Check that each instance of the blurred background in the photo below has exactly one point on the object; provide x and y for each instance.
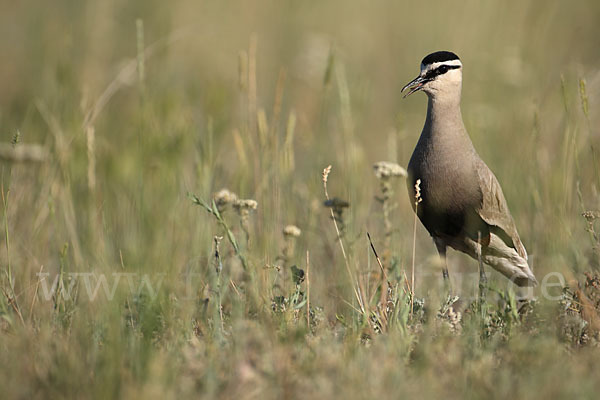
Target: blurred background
(137, 103)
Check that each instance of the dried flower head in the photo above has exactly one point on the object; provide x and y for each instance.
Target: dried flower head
(418, 197)
(326, 172)
(243, 207)
(223, 198)
(337, 208)
(245, 204)
(336, 203)
(590, 216)
(386, 169)
(291, 231)
(451, 316)
(453, 320)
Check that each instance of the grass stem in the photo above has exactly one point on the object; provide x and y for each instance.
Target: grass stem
(355, 285)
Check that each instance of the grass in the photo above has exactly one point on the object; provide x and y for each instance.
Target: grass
(122, 274)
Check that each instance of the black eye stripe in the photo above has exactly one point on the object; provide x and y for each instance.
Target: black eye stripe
(442, 69)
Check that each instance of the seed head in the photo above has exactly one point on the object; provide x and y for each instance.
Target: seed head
(291, 231)
(224, 197)
(590, 216)
(245, 204)
(418, 197)
(386, 169)
(326, 172)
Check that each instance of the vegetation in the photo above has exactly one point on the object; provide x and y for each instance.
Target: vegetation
(171, 228)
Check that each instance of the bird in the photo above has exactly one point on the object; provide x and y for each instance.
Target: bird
(461, 204)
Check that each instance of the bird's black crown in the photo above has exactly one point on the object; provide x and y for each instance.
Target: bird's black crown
(439, 56)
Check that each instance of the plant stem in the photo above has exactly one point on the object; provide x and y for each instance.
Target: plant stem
(337, 230)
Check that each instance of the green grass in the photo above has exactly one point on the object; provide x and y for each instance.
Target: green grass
(146, 109)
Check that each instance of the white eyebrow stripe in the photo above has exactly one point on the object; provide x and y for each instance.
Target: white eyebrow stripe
(429, 67)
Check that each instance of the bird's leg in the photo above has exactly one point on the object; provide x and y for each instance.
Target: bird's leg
(482, 277)
(441, 248)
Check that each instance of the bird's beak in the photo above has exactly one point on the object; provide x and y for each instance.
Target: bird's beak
(415, 85)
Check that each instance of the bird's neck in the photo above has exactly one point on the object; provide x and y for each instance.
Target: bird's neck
(444, 116)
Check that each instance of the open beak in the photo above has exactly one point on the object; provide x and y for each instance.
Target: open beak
(415, 85)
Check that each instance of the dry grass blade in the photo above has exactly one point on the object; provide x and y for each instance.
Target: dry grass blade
(384, 281)
(127, 73)
(355, 285)
(12, 301)
(588, 311)
(307, 289)
(418, 199)
(35, 292)
(383, 273)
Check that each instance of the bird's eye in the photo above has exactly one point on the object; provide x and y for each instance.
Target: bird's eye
(443, 69)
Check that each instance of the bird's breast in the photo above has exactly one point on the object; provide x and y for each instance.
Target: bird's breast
(449, 189)
(446, 182)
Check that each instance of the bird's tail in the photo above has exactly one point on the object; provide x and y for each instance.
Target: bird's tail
(508, 262)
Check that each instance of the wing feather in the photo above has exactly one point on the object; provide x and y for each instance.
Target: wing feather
(494, 210)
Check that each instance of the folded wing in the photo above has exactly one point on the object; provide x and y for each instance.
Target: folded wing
(494, 210)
